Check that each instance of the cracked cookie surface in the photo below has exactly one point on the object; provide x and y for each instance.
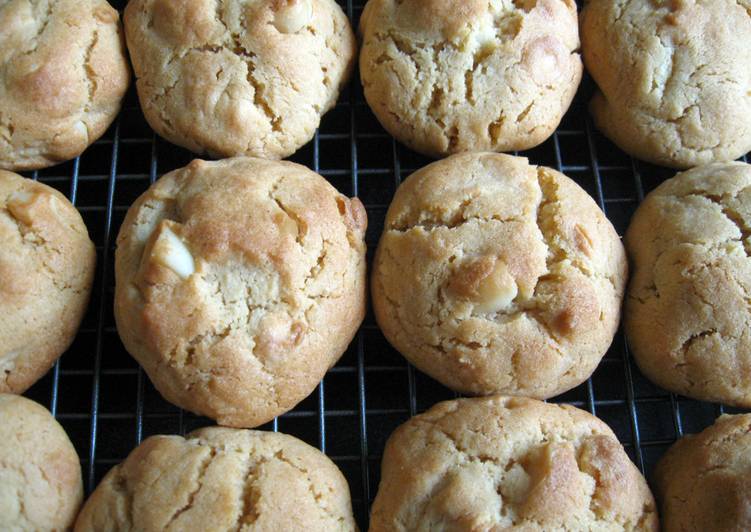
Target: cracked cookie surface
(46, 271)
(687, 309)
(702, 482)
(501, 463)
(221, 479)
(496, 276)
(446, 77)
(238, 284)
(63, 74)
(238, 77)
(674, 77)
(40, 474)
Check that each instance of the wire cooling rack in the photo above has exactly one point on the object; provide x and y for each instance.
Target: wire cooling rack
(107, 405)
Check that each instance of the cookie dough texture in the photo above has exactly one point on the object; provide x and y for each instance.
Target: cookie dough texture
(686, 314)
(238, 77)
(673, 77)
(446, 77)
(702, 482)
(221, 479)
(501, 463)
(63, 74)
(40, 474)
(496, 276)
(46, 271)
(238, 284)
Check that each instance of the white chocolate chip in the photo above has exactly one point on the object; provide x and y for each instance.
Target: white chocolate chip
(486, 283)
(292, 15)
(21, 205)
(484, 35)
(81, 129)
(171, 252)
(20, 197)
(496, 291)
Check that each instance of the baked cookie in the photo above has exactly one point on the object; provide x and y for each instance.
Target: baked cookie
(686, 314)
(63, 74)
(221, 479)
(703, 482)
(493, 275)
(673, 77)
(446, 77)
(40, 474)
(498, 463)
(239, 284)
(238, 77)
(46, 271)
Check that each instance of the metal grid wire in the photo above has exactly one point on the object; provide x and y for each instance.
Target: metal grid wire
(107, 405)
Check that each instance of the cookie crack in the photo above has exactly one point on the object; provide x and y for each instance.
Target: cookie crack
(260, 99)
(289, 213)
(312, 488)
(734, 217)
(249, 511)
(556, 254)
(36, 243)
(202, 469)
(89, 73)
(41, 29)
(457, 221)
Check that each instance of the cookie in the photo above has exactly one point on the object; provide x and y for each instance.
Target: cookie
(46, 271)
(221, 479)
(498, 463)
(702, 482)
(63, 74)
(496, 276)
(445, 77)
(673, 77)
(239, 283)
(238, 77)
(40, 474)
(686, 313)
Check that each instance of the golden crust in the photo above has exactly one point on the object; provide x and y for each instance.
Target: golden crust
(63, 76)
(495, 276)
(686, 314)
(46, 271)
(40, 474)
(239, 283)
(221, 479)
(702, 482)
(673, 77)
(234, 78)
(499, 463)
(446, 77)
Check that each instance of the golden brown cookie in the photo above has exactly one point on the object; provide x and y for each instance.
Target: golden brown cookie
(446, 77)
(63, 74)
(46, 271)
(501, 463)
(40, 474)
(673, 77)
(704, 481)
(239, 283)
(496, 276)
(221, 479)
(232, 77)
(686, 314)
